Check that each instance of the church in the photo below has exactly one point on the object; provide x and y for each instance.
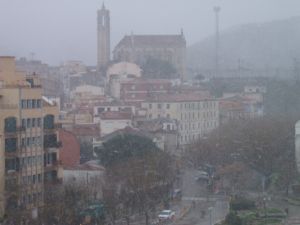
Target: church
(138, 48)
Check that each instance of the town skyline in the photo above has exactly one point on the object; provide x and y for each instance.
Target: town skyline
(73, 37)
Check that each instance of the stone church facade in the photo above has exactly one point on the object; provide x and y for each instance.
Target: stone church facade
(138, 48)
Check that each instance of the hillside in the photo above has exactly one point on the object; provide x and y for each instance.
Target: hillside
(273, 45)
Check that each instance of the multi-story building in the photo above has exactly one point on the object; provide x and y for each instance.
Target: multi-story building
(28, 140)
(195, 115)
(138, 90)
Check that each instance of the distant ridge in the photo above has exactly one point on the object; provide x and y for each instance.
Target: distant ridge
(273, 45)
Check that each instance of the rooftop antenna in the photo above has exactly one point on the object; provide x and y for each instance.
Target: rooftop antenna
(32, 54)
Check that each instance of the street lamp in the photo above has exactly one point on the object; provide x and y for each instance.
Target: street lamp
(210, 209)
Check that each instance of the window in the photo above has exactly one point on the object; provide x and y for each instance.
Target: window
(39, 178)
(159, 106)
(168, 106)
(23, 142)
(23, 104)
(49, 122)
(10, 164)
(38, 103)
(29, 104)
(24, 123)
(28, 123)
(39, 122)
(34, 103)
(10, 124)
(10, 144)
(33, 122)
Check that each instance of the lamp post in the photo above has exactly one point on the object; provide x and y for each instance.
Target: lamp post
(217, 10)
(210, 209)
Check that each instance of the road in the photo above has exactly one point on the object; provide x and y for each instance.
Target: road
(214, 207)
(186, 214)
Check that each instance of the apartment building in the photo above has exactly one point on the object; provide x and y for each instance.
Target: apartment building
(28, 141)
(195, 114)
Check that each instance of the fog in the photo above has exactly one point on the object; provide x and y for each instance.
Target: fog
(59, 30)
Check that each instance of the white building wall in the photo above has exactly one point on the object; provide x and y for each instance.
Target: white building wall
(297, 144)
(109, 126)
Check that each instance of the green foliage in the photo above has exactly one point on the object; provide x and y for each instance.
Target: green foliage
(240, 203)
(155, 68)
(233, 219)
(282, 98)
(123, 147)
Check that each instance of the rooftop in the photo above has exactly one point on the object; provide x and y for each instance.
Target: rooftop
(152, 40)
(116, 115)
(179, 98)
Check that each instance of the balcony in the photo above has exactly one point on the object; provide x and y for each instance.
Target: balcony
(14, 133)
(51, 129)
(53, 167)
(11, 154)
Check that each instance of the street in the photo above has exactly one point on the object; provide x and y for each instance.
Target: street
(206, 209)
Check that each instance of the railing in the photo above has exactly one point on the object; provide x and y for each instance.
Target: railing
(11, 154)
(55, 126)
(53, 165)
(18, 129)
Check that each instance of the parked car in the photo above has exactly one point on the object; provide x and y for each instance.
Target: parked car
(202, 175)
(166, 215)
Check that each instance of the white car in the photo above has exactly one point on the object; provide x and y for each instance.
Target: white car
(166, 215)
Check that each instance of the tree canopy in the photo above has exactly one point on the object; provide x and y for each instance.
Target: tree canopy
(156, 68)
(123, 147)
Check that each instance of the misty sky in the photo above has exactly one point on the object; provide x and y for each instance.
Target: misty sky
(58, 30)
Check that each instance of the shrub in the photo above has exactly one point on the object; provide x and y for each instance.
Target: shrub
(233, 219)
(240, 203)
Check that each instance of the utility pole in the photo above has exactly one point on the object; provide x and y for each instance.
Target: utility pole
(217, 40)
(210, 209)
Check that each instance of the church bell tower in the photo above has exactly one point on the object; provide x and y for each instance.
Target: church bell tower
(103, 45)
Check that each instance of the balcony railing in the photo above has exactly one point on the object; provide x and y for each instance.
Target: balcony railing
(53, 128)
(15, 132)
(53, 166)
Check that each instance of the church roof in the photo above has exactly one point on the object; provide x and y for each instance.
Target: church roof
(152, 41)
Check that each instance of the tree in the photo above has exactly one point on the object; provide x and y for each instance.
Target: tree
(139, 175)
(156, 68)
(263, 144)
(63, 204)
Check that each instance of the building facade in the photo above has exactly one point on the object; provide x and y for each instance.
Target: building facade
(196, 116)
(139, 48)
(28, 141)
(103, 30)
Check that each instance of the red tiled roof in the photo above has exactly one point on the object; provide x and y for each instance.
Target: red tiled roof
(86, 129)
